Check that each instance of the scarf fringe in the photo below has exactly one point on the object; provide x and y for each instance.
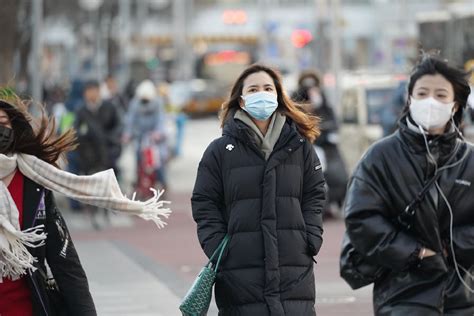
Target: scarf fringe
(16, 259)
(153, 208)
(100, 189)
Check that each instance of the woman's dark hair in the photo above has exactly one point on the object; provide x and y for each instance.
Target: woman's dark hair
(308, 125)
(306, 80)
(309, 74)
(430, 65)
(36, 136)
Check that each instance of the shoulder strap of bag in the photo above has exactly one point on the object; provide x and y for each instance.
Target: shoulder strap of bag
(47, 277)
(219, 251)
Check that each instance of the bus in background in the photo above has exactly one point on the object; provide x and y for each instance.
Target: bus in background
(215, 71)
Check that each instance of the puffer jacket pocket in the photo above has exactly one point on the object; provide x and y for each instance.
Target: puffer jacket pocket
(433, 264)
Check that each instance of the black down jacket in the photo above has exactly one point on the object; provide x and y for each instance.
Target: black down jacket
(272, 212)
(59, 253)
(389, 176)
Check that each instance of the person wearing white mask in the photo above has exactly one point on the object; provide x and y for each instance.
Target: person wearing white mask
(262, 185)
(409, 206)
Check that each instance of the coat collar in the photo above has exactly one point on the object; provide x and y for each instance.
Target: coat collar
(290, 139)
(442, 144)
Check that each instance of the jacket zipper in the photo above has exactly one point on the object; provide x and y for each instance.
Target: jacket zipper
(38, 293)
(29, 272)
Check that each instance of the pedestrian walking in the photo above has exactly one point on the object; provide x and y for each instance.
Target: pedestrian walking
(40, 271)
(99, 128)
(311, 94)
(409, 204)
(261, 184)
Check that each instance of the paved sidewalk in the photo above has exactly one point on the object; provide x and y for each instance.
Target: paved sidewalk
(138, 270)
(120, 286)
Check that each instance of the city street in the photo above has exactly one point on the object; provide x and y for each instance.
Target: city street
(366, 73)
(136, 269)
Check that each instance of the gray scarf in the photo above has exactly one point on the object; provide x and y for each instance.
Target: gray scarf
(266, 142)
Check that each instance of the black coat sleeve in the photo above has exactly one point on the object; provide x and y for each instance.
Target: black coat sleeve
(208, 202)
(313, 199)
(64, 263)
(370, 230)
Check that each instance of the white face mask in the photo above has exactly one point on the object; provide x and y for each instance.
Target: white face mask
(430, 113)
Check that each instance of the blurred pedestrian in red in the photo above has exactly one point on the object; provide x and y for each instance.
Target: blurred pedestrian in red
(145, 123)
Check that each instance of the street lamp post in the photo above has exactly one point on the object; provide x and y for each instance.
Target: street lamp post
(336, 50)
(124, 40)
(321, 21)
(263, 7)
(92, 6)
(36, 51)
(181, 63)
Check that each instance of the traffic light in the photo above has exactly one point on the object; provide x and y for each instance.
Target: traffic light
(301, 37)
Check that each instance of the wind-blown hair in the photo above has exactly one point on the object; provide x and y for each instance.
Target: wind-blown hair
(36, 136)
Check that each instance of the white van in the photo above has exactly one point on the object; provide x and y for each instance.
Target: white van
(363, 99)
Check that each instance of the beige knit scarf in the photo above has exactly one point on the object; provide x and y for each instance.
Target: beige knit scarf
(100, 189)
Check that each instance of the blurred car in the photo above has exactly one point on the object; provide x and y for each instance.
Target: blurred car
(364, 99)
(203, 97)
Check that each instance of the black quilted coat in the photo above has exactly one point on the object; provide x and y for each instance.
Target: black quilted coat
(272, 212)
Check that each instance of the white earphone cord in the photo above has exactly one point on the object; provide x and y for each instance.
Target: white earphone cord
(451, 242)
(451, 214)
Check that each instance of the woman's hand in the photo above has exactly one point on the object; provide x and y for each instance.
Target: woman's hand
(426, 252)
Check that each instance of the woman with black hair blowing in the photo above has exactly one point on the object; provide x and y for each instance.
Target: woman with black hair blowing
(410, 201)
(42, 239)
(33, 234)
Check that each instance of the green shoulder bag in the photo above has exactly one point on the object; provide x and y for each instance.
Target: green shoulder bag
(197, 300)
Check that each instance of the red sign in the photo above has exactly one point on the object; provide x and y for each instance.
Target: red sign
(301, 37)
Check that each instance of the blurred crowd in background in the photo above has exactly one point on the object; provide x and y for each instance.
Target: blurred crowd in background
(128, 72)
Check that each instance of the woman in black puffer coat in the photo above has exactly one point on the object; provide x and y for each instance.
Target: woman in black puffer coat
(262, 184)
(429, 265)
